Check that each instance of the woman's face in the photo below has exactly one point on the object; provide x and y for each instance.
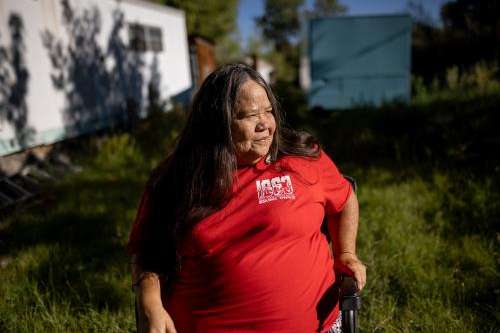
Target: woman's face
(253, 123)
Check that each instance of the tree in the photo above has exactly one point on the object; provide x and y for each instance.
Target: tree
(475, 23)
(280, 22)
(215, 19)
(474, 16)
(419, 14)
(257, 46)
(228, 48)
(469, 35)
(328, 7)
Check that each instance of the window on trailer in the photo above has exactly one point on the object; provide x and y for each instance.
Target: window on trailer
(137, 38)
(154, 38)
(144, 38)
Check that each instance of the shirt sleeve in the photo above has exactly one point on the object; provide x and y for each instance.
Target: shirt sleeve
(336, 188)
(138, 232)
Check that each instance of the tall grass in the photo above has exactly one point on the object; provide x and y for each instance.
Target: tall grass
(482, 79)
(425, 275)
(428, 231)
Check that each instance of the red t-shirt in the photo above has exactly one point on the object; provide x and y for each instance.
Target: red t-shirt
(261, 264)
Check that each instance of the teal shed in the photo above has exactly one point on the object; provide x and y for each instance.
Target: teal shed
(359, 60)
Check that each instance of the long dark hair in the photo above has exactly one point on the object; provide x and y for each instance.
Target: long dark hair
(196, 179)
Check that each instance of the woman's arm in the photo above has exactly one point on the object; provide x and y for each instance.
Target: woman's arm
(152, 315)
(343, 232)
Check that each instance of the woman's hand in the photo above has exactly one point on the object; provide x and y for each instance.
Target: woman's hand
(350, 264)
(154, 319)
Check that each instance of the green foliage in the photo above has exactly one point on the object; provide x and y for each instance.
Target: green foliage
(214, 19)
(228, 49)
(469, 34)
(419, 89)
(328, 8)
(478, 17)
(452, 77)
(284, 70)
(292, 102)
(118, 152)
(257, 45)
(483, 77)
(156, 136)
(285, 63)
(455, 133)
(280, 21)
(479, 81)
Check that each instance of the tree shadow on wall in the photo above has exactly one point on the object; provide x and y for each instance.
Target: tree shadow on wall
(103, 86)
(14, 78)
(154, 95)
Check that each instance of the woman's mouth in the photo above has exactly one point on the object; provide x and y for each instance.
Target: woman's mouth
(263, 139)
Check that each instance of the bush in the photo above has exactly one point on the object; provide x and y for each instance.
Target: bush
(478, 81)
(118, 152)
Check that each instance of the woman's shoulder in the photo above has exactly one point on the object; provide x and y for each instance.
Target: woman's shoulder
(320, 161)
(310, 168)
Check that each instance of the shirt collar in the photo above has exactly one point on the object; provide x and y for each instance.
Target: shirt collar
(263, 163)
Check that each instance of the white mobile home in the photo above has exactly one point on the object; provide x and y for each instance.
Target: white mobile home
(69, 67)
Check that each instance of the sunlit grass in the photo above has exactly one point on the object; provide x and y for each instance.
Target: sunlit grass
(429, 237)
(422, 275)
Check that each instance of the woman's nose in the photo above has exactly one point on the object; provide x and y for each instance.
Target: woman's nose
(263, 123)
(260, 126)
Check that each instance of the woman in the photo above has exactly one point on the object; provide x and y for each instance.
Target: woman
(227, 237)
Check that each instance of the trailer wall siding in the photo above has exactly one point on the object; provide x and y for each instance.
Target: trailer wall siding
(36, 111)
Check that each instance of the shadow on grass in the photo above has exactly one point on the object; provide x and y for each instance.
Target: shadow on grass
(83, 223)
(444, 134)
(456, 138)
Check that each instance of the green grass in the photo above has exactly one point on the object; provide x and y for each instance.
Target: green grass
(428, 232)
(423, 275)
(69, 271)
